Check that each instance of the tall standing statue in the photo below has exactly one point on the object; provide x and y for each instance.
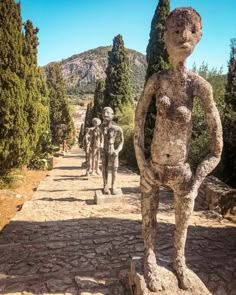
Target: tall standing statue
(95, 147)
(168, 165)
(86, 144)
(112, 144)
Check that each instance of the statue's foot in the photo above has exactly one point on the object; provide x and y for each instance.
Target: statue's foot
(89, 172)
(106, 191)
(115, 191)
(181, 271)
(152, 274)
(98, 172)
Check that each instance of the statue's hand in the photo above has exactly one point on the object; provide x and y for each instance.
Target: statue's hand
(115, 153)
(148, 179)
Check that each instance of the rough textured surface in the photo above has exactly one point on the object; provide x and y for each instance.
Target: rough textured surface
(138, 285)
(112, 144)
(100, 198)
(175, 90)
(81, 71)
(60, 235)
(217, 196)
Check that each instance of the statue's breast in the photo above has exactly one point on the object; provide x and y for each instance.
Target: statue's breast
(170, 110)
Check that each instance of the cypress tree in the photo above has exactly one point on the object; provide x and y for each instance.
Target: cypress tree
(88, 115)
(98, 99)
(81, 135)
(61, 123)
(229, 124)
(157, 59)
(157, 56)
(14, 147)
(37, 100)
(117, 86)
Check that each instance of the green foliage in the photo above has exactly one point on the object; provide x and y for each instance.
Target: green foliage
(229, 123)
(37, 106)
(117, 87)
(61, 123)
(14, 148)
(157, 56)
(158, 60)
(126, 122)
(98, 99)
(200, 140)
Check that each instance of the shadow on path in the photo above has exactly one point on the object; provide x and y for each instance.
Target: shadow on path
(45, 257)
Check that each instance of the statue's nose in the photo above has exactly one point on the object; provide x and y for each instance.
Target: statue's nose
(185, 35)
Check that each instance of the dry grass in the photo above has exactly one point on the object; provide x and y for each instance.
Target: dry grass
(19, 192)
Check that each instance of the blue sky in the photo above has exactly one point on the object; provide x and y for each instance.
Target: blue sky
(69, 27)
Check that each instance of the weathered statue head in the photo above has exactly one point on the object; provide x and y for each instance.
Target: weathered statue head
(107, 114)
(96, 122)
(183, 32)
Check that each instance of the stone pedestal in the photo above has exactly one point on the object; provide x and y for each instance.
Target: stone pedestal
(138, 285)
(100, 198)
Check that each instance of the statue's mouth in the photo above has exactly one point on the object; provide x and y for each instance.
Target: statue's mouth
(185, 45)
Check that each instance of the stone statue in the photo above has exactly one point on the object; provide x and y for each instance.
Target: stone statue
(174, 90)
(95, 147)
(112, 144)
(86, 144)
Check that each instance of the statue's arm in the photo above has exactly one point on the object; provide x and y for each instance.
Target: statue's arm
(140, 118)
(213, 121)
(121, 143)
(102, 137)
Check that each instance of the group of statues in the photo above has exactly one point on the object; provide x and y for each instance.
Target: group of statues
(104, 140)
(175, 90)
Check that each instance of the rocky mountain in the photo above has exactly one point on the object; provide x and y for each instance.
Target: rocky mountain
(81, 71)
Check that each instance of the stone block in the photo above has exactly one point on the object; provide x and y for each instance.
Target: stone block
(100, 198)
(138, 285)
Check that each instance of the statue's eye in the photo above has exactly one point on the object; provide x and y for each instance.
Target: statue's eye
(177, 32)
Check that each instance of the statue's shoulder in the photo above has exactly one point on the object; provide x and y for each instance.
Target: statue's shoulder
(116, 127)
(198, 80)
(199, 84)
(155, 78)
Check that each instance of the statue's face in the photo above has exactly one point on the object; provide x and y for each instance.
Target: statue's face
(183, 32)
(107, 114)
(96, 122)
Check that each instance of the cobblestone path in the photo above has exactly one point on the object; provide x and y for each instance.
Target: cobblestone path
(61, 243)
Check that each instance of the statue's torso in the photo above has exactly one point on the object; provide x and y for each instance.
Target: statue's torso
(111, 137)
(172, 133)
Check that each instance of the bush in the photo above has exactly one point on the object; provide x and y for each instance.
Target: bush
(125, 118)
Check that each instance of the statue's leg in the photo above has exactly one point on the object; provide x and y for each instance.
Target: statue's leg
(97, 162)
(89, 165)
(149, 206)
(115, 164)
(105, 159)
(183, 203)
(93, 155)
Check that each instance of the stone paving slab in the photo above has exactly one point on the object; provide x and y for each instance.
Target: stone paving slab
(61, 243)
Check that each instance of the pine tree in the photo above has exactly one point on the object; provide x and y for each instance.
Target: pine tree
(98, 99)
(117, 86)
(157, 59)
(229, 124)
(61, 123)
(14, 149)
(37, 106)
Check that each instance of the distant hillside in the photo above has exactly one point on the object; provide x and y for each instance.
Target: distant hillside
(81, 71)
